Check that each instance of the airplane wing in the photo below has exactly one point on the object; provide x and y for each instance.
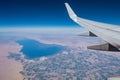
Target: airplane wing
(108, 32)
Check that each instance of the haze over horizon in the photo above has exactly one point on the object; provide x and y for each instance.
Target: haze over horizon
(39, 41)
(38, 13)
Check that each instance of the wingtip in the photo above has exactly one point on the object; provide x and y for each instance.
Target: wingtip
(71, 13)
(66, 3)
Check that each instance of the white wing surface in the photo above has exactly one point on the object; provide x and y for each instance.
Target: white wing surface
(108, 32)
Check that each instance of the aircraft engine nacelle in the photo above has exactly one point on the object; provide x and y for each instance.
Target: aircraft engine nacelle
(103, 47)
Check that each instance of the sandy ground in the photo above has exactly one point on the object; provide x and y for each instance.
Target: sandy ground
(9, 69)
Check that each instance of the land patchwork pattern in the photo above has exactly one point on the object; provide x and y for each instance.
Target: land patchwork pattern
(72, 64)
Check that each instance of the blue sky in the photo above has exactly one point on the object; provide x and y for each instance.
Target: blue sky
(25, 13)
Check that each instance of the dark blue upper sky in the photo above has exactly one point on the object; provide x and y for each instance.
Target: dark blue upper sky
(15, 13)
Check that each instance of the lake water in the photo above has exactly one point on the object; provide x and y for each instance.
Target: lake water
(34, 49)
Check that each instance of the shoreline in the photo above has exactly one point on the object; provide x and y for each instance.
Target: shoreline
(9, 69)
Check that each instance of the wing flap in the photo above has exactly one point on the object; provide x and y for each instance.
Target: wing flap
(87, 33)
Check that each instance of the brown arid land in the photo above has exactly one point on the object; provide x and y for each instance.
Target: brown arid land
(9, 68)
